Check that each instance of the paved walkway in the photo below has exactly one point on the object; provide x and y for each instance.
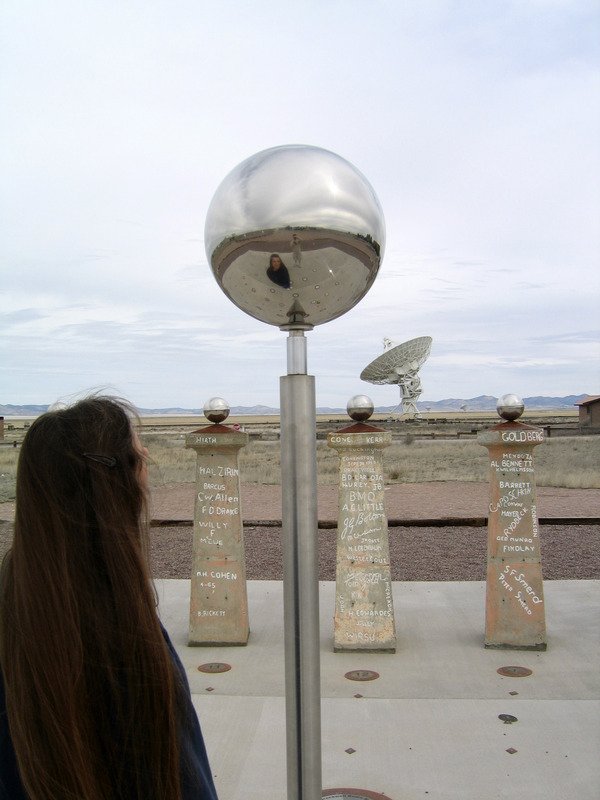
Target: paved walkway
(428, 727)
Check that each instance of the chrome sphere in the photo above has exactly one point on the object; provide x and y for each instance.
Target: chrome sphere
(216, 409)
(510, 407)
(360, 407)
(295, 234)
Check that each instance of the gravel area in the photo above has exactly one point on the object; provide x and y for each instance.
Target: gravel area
(569, 552)
(416, 553)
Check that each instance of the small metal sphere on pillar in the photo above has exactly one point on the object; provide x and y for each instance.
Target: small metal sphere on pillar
(360, 407)
(216, 409)
(510, 407)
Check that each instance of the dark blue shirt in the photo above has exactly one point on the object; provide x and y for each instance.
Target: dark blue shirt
(196, 777)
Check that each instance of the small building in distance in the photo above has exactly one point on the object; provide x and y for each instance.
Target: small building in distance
(589, 411)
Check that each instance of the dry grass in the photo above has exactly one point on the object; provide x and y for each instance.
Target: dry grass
(566, 462)
(570, 464)
(170, 460)
(563, 462)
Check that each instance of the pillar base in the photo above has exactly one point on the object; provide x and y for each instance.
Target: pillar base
(541, 646)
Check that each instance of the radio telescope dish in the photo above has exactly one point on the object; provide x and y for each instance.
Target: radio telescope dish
(400, 363)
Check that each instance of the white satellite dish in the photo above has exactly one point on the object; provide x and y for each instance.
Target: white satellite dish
(400, 363)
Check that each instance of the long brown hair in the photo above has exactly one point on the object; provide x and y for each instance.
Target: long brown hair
(90, 689)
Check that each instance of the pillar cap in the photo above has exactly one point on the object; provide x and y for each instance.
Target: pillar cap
(217, 428)
(361, 427)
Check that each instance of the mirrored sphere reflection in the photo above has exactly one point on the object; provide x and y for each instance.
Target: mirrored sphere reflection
(360, 407)
(216, 409)
(295, 234)
(510, 407)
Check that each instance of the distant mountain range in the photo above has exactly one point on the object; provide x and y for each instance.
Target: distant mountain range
(484, 402)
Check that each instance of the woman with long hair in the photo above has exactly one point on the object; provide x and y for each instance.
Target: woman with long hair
(94, 702)
(278, 272)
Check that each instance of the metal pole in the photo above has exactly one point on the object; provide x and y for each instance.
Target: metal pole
(300, 575)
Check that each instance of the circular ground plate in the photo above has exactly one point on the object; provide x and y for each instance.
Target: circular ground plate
(361, 675)
(214, 666)
(514, 672)
(353, 794)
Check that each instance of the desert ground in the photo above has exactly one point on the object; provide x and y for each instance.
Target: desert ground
(417, 553)
(452, 546)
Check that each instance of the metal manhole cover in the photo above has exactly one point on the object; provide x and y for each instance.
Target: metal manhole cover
(361, 675)
(514, 672)
(214, 667)
(353, 794)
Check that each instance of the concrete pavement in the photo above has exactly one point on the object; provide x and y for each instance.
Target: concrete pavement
(428, 727)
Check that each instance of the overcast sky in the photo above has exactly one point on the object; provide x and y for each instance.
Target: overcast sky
(477, 124)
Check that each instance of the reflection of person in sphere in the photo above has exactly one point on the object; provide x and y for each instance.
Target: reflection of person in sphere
(277, 272)
(296, 250)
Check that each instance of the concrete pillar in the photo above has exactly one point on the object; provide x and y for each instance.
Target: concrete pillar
(364, 609)
(515, 613)
(219, 599)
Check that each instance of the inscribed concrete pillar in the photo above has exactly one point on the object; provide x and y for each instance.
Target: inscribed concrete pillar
(364, 609)
(219, 600)
(515, 614)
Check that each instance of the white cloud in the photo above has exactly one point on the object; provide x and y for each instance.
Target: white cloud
(477, 124)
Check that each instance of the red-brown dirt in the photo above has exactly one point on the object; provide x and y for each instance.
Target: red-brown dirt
(456, 552)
